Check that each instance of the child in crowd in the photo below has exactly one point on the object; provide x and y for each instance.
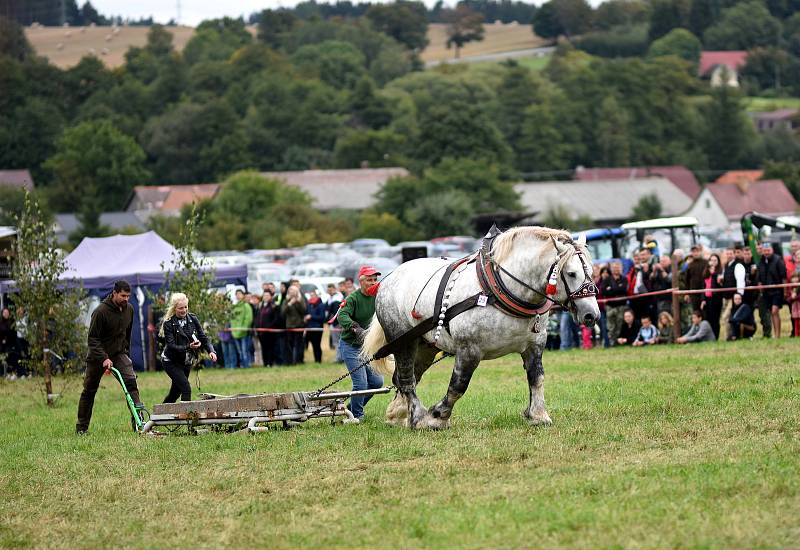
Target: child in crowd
(664, 328)
(648, 334)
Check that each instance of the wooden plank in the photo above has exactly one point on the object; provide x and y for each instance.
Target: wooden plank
(261, 402)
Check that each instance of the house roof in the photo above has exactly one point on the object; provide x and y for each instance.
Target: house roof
(711, 59)
(332, 189)
(778, 114)
(607, 201)
(681, 176)
(67, 223)
(769, 197)
(171, 198)
(736, 176)
(16, 178)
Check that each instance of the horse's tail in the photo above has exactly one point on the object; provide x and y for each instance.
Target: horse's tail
(375, 339)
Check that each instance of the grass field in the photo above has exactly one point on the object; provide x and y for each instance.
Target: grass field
(693, 446)
(771, 103)
(66, 46)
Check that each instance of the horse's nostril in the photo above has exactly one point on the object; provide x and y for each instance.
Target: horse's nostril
(588, 319)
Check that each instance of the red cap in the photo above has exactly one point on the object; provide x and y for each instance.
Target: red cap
(366, 271)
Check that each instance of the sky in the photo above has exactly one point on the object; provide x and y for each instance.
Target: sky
(195, 11)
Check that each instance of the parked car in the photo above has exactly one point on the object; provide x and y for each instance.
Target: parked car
(267, 272)
(315, 269)
(320, 284)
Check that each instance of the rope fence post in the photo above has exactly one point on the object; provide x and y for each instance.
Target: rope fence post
(676, 300)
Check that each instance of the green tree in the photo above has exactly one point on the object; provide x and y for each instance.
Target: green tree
(612, 133)
(196, 143)
(13, 42)
(369, 109)
(542, 145)
(459, 130)
(730, 134)
(273, 25)
(51, 308)
(702, 15)
(742, 27)
(620, 13)
(789, 172)
(546, 23)
(95, 162)
(405, 21)
(398, 195)
(338, 64)
(463, 26)
(666, 15)
(770, 68)
(647, 207)
(444, 213)
(217, 40)
(478, 178)
(680, 43)
(373, 147)
(385, 226)
(28, 135)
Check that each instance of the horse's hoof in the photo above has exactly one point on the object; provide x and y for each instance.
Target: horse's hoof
(538, 418)
(428, 422)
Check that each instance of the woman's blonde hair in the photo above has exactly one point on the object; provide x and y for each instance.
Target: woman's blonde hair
(174, 298)
(665, 315)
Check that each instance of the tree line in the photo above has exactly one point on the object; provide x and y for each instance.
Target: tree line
(344, 93)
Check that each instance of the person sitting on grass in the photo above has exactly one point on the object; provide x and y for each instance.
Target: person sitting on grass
(648, 334)
(629, 329)
(743, 322)
(700, 330)
(665, 327)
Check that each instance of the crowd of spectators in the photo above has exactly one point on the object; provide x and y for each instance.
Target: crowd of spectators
(723, 306)
(282, 324)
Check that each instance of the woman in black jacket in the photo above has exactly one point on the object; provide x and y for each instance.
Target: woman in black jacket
(183, 340)
(267, 317)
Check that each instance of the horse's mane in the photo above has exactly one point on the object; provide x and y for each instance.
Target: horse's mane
(506, 242)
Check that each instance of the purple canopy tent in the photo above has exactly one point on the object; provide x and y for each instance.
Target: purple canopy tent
(143, 260)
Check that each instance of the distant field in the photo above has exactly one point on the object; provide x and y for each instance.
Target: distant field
(498, 38)
(771, 103)
(80, 41)
(667, 447)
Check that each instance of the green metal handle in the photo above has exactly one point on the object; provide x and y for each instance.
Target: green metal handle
(131, 405)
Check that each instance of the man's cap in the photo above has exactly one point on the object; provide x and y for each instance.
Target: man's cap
(367, 271)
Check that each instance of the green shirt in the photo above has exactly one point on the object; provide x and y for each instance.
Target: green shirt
(358, 308)
(242, 319)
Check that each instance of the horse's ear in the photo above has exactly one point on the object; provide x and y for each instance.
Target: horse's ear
(581, 239)
(561, 248)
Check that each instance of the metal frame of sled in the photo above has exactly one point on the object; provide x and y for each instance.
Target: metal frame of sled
(252, 410)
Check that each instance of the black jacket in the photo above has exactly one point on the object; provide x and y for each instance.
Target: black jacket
(109, 331)
(771, 271)
(177, 340)
(614, 288)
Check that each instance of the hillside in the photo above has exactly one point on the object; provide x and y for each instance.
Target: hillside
(79, 41)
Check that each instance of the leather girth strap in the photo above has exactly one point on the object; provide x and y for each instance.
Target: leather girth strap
(429, 324)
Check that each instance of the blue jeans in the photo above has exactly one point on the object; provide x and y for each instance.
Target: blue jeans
(604, 329)
(229, 354)
(363, 379)
(570, 334)
(243, 351)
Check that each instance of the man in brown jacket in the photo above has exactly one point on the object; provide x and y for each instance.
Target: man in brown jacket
(694, 275)
(109, 345)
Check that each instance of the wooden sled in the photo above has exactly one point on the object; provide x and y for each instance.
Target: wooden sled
(251, 410)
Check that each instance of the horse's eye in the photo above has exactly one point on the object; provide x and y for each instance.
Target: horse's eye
(571, 274)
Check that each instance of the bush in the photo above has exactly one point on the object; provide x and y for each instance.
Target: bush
(619, 42)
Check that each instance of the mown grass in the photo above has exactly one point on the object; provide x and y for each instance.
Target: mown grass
(693, 446)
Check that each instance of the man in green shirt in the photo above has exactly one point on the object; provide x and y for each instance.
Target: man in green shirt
(241, 322)
(354, 317)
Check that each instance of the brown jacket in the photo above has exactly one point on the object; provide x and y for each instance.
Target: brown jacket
(109, 331)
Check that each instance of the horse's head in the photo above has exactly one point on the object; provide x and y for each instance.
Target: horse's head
(576, 287)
